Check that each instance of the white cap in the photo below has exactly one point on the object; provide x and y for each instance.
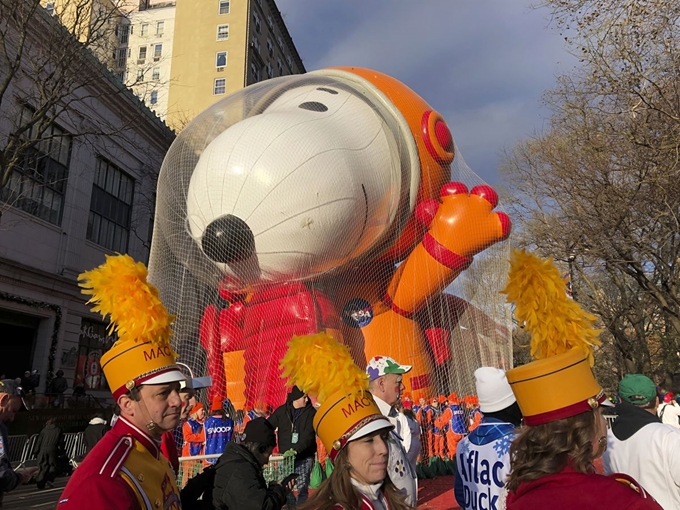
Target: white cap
(493, 390)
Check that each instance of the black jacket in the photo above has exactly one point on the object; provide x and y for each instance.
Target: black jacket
(94, 432)
(289, 420)
(239, 484)
(50, 440)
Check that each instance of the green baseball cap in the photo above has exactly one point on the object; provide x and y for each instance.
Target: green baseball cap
(637, 389)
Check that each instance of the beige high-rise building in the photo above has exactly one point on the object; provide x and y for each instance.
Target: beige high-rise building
(205, 50)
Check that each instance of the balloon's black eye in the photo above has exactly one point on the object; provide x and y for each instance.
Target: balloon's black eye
(330, 91)
(314, 106)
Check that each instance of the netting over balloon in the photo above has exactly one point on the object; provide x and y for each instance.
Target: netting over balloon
(334, 201)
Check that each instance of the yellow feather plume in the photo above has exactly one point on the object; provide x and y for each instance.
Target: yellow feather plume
(120, 291)
(556, 322)
(319, 365)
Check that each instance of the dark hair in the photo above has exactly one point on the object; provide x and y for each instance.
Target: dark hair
(60, 373)
(410, 414)
(546, 449)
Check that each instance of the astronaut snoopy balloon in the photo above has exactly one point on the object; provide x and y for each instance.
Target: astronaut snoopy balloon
(308, 206)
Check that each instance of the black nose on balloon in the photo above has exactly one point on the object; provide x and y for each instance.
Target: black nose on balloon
(228, 239)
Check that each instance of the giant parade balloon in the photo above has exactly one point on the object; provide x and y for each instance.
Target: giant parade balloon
(333, 201)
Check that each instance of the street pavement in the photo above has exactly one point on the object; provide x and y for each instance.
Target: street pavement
(28, 496)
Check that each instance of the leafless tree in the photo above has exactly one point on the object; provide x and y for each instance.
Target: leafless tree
(600, 189)
(53, 64)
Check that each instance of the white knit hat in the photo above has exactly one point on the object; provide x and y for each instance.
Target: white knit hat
(493, 390)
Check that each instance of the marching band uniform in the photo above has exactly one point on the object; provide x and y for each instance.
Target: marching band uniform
(126, 469)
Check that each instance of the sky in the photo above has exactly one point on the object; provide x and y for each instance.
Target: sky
(482, 64)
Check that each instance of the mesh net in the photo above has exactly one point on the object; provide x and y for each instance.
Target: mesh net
(320, 202)
(278, 468)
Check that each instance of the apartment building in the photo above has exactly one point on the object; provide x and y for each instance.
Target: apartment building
(215, 47)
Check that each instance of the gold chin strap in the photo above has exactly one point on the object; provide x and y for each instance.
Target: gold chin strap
(151, 425)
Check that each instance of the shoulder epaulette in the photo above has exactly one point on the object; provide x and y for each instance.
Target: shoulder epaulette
(631, 483)
(115, 460)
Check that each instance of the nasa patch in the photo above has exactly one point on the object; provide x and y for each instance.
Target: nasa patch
(357, 313)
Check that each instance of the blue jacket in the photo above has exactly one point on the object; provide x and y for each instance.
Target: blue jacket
(218, 432)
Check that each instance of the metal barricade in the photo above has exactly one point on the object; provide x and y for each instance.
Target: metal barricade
(29, 452)
(15, 448)
(72, 444)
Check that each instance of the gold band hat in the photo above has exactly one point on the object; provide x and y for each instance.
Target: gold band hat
(142, 354)
(560, 382)
(323, 368)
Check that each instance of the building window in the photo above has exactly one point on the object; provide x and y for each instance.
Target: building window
(270, 22)
(224, 7)
(256, 17)
(49, 7)
(222, 32)
(122, 57)
(145, 29)
(270, 72)
(255, 71)
(290, 62)
(94, 341)
(142, 55)
(123, 33)
(279, 66)
(220, 86)
(270, 47)
(156, 74)
(160, 27)
(157, 52)
(221, 59)
(38, 184)
(140, 74)
(110, 207)
(256, 43)
(154, 97)
(280, 41)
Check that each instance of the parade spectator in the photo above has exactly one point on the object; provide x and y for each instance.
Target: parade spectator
(28, 389)
(295, 431)
(239, 483)
(49, 444)
(488, 444)
(94, 431)
(385, 384)
(643, 447)
(218, 430)
(58, 386)
(10, 403)
(669, 411)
